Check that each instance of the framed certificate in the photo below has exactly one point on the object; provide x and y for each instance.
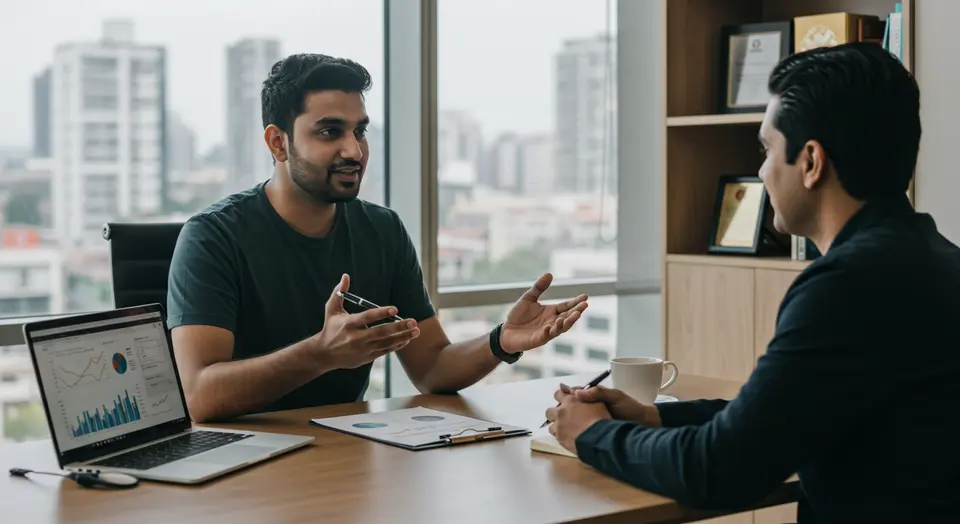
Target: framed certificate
(739, 216)
(749, 54)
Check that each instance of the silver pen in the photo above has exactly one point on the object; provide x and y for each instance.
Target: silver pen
(362, 302)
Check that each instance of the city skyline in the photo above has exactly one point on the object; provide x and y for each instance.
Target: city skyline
(197, 54)
(519, 83)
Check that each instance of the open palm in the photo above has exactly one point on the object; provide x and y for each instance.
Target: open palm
(531, 324)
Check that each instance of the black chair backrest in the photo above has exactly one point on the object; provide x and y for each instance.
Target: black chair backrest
(140, 257)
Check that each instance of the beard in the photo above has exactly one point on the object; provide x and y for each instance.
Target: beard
(319, 184)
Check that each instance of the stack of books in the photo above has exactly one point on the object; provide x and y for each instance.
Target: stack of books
(893, 33)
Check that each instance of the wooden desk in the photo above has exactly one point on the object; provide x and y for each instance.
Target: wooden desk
(341, 478)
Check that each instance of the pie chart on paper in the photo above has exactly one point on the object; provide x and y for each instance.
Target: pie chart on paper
(427, 418)
(369, 425)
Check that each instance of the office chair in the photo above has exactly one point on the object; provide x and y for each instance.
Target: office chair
(140, 261)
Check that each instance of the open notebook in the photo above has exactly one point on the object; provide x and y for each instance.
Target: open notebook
(544, 442)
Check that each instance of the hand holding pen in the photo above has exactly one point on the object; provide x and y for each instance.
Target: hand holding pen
(349, 341)
(592, 384)
(362, 302)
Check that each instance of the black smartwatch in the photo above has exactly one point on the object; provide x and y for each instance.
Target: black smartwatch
(497, 349)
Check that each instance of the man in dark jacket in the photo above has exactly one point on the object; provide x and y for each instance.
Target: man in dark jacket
(858, 385)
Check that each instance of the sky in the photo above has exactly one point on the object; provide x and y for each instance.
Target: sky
(495, 56)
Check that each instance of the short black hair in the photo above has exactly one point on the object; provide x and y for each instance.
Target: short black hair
(862, 105)
(284, 92)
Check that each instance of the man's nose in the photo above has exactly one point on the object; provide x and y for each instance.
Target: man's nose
(351, 149)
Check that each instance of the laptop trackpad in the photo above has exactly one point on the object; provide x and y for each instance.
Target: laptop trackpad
(233, 454)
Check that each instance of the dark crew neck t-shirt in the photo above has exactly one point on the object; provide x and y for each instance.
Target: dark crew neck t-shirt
(239, 266)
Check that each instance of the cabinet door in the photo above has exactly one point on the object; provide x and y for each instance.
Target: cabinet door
(770, 287)
(710, 320)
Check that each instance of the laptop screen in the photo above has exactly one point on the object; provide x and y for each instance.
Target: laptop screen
(105, 379)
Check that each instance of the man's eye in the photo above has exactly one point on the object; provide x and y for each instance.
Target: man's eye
(362, 132)
(329, 132)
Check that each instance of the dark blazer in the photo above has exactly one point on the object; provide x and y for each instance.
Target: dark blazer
(855, 393)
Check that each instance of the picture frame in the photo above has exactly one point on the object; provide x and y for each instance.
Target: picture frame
(740, 217)
(749, 52)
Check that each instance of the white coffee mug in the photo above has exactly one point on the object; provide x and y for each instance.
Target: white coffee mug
(641, 377)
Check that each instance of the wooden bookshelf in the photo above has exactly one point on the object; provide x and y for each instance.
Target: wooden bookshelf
(781, 263)
(715, 120)
(719, 312)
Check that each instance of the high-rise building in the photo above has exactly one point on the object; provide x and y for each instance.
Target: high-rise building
(459, 139)
(41, 115)
(586, 106)
(181, 153)
(31, 273)
(181, 146)
(522, 164)
(537, 170)
(248, 64)
(109, 135)
(501, 169)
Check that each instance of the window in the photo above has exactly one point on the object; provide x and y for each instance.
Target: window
(469, 322)
(601, 355)
(542, 193)
(130, 122)
(598, 323)
(526, 143)
(528, 372)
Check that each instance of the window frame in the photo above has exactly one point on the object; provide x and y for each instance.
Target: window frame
(411, 40)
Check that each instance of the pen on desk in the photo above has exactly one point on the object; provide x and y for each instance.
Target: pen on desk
(362, 302)
(593, 383)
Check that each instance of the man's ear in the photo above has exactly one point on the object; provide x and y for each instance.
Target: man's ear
(813, 164)
(275, 139)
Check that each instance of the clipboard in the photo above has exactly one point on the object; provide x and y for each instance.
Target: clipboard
(419, 428)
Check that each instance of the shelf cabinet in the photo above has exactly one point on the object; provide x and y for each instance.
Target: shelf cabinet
(710, 314)
(720, 319)
(719, 312)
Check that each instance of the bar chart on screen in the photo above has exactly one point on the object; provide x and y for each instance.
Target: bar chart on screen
(122, 410)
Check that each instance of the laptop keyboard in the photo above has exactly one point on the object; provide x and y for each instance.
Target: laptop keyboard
(172, 449)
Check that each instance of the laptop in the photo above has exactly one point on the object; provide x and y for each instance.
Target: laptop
(114, 401)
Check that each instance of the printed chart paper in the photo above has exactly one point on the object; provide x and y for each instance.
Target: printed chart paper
(413, 427)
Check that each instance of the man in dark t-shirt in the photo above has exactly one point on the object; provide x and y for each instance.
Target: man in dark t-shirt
(240, 267)
(253, 305)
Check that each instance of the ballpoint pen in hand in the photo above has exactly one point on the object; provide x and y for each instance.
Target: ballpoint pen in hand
(593, 383)
(362, 302)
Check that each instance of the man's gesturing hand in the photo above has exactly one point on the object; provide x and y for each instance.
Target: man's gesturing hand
(346, 342)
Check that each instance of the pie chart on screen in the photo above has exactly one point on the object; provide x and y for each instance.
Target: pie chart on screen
(119, 363)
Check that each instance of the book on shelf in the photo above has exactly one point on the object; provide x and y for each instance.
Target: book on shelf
(893, 33)
(830, 29)
(802, 248)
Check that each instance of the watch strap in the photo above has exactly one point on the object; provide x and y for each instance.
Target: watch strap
(497, 349)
